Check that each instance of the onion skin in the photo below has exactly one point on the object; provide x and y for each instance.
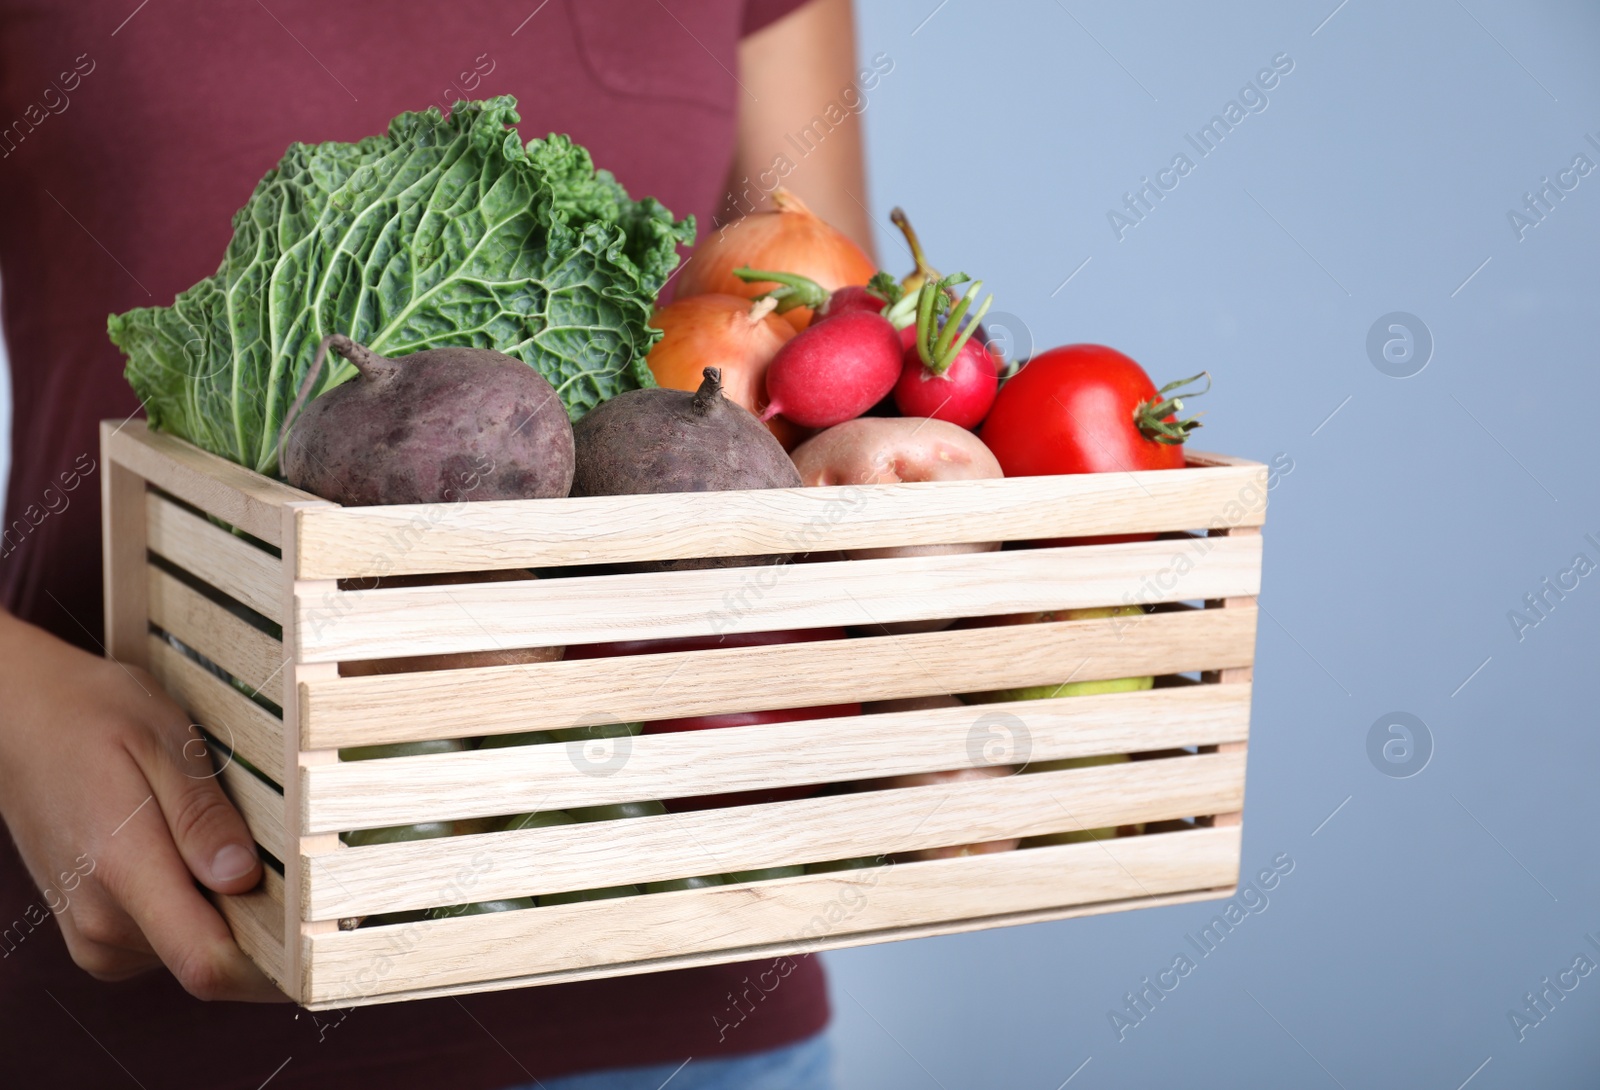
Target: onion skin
(727, 332)
(789, 239)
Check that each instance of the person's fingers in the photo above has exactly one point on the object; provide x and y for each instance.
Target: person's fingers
(104, 941)
(210, 834)
(151, 881)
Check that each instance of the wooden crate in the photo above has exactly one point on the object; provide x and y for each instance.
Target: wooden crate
(175, 576)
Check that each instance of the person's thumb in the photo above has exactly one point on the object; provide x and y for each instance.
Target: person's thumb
(210, 834)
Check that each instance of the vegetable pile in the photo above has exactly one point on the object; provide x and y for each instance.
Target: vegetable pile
(487, 313)
(444, 232)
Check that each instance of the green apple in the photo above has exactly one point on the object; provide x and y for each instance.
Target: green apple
(402, 749)
(527, 738)
(617, 810)
(587, 895)
(395, 834)
(1065, 688)
(671, 884)
(765, 873)
(541, 820)
(860, 862)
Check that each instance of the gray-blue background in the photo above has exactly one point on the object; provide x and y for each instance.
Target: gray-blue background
(1411, 523)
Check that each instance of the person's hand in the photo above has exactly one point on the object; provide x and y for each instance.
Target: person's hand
(116, 810)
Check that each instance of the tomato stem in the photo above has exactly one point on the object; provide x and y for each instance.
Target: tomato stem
(1151, 416)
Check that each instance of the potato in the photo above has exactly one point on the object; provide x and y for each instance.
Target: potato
(888, 450)
(891, 449)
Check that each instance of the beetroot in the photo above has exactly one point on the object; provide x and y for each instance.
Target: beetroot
(443, 424)
(835, 370)
(661, 440)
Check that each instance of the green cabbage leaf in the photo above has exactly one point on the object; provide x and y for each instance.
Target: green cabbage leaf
(446, 231)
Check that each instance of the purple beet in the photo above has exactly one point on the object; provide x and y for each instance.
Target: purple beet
(443, 424)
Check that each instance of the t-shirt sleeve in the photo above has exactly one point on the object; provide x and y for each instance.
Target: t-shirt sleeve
(763, 13)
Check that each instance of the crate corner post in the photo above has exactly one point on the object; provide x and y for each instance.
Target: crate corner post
(122, 552)
(301, 846)
(1235, 675)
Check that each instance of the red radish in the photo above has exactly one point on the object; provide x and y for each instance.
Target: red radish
(947, 373)
(746, 719)
(791, 237)
(727, 332)
(834, 371)
(853, 297)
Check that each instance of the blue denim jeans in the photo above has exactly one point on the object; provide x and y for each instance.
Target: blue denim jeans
(804, 1066)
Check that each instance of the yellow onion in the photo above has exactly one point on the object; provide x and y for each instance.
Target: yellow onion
(790, 239)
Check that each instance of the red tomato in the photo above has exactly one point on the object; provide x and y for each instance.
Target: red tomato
(1072, 410)
(745, 719)
(1078, 409)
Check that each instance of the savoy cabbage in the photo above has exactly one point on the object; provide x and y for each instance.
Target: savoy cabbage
(445, 231)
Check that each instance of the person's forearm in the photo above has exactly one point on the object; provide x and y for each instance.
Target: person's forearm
(800, 109)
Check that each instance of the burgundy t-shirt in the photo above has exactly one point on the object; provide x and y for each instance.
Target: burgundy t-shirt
(129, 134)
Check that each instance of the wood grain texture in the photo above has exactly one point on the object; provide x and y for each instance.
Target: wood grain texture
(215, 485)
(484, 783)
(390, 622)
(256, 920)
(231, 717)
(787, 916)
(226, 561)
(122, 556)
(289, 925)
(778, 950)
(299, 930)
(1234, 675)
(508, 699)
(423, 538)
(240, 648)
(262, 807)
(427, 873)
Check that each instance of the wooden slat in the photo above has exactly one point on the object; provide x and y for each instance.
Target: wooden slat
(387, 623)
(421, 874)
(484, 783)
(770, 919)
(240, 648)
(215, 485)
(210, 553)
(232, 718)
(507, 699)
(256, 919)
(349, 542)
(261, 806)
(122, 556)
(770, 951)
